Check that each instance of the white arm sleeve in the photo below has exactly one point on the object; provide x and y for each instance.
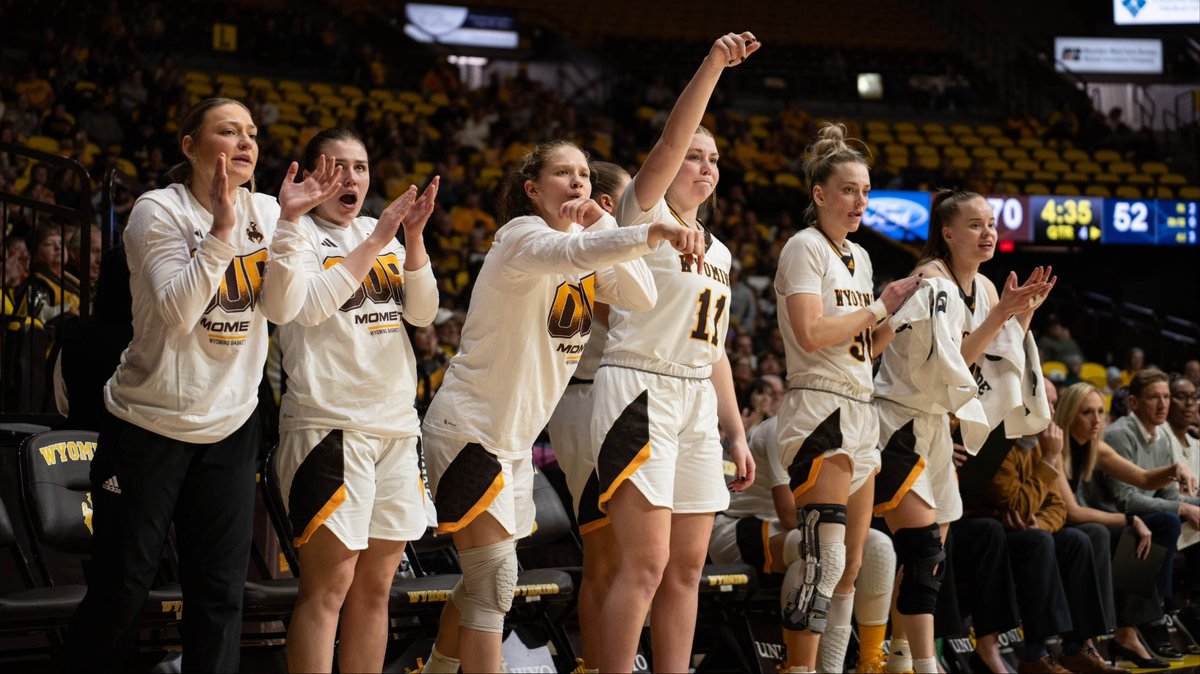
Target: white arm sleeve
(181, 284)
(420, 296)
(532, 247)
(626, 284)
(296, 287)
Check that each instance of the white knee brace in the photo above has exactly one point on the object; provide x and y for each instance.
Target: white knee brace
(808, 584)
(485, 593)
(873, 596)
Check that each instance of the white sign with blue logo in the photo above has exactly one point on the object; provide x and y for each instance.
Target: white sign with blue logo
(1144, 12)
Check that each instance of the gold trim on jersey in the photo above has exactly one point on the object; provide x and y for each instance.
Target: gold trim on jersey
(326, 511)
(476, 510)
(847, 256)
(641, 457)
(594, 525)
(904, 488)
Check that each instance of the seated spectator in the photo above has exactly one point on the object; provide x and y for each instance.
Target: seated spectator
(467, 217)
(16, 268)
(1136, 437)
(743, 301)
(760, 400)
(96, 251)
(1185, 449)
(92, 348)
(1056, 343)
(1057, 586)
(1135, 360)
(48, 292)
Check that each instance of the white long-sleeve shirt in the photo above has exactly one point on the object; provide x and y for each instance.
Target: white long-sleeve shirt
(347, 356)
(528, 321)
(192, 371)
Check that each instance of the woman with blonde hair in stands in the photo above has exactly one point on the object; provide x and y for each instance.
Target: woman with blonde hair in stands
(1080, 414)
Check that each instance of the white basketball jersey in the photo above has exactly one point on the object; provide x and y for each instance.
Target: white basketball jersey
(684, 334)
(757, 500)
(810, 264)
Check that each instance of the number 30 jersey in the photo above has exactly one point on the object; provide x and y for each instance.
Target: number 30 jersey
(684, 334)
(810, 264)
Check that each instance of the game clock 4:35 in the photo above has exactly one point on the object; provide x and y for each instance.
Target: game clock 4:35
(1069, 220)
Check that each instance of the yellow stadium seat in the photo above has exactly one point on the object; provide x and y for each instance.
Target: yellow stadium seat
(1031, 143)
(1056, 166)
(788, 180)
(962, 129)
(984, 152)
(1026, 165)
(988, 130)
(1066, 190)
(1010, 188)
(941, 140)
(1073, 155)
(233, 91)
(283, 131)
(929, 162)
(1094, 374)
(1106, 156)
(1044, 176)
(1154, 168)
(1014, 176)
(410, 97)
(381, 95)
(127, 167)
(925, 151)
(961, 163)
(954, 151)
(877, 125)
(933, 129)
(259, 83)
(1121, 168)
(320, 89)
(892, 149)
(1097, 191)
(995, 164)
(1106, 178)
(1050, 368)
(1075, 177)
(198, 88)
(1044, 154)
(289, 85)
(228, 79)
(298, 97)
(196, 76)
(1171, 179)
(909, 138)
(1036, 189)
(1089, 167)
(970, 141)
(905, 127)
(1000, 141)
(1127, 192)
(1014, 153)
(1185, 192)
(1139, 179)
(351, 91)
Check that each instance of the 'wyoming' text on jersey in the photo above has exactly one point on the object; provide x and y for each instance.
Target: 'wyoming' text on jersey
(852, 298)
(715, 273)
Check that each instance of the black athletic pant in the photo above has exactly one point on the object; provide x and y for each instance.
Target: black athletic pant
(207, 491)
(982, 578)
(1057, 588)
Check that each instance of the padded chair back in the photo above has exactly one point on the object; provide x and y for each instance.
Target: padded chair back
(8, 536)
(276, 510)
(55, 468)
(551, 520)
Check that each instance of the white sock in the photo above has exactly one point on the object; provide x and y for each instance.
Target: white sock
(899, 657)
(440, 664)
(925, 665)
(831, 654)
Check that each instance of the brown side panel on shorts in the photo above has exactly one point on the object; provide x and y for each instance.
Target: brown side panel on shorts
(625, 448)
(901, 466)
(590, 517)
(468, 487)
(318, 487)
(807, 462)
(753, 544)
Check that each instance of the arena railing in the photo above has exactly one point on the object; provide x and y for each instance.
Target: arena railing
(26, 344)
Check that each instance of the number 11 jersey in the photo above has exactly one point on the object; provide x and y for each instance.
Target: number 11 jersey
(684, 334)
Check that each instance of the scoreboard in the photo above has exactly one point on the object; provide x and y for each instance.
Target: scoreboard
(1079, 220)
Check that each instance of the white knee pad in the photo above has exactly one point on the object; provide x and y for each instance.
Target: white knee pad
(878, 572)
(791, 547)
(485, 593)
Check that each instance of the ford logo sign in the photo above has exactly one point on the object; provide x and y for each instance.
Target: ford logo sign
(889, 213)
